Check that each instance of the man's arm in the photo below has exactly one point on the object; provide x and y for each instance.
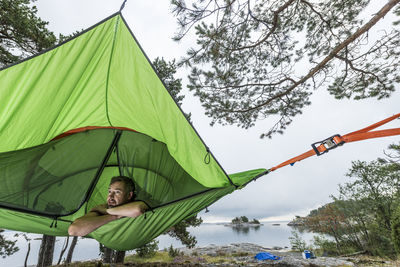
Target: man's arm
(131, 209)
(89, 222)
(101, 215)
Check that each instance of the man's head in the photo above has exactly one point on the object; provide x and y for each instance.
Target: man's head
(120, 191)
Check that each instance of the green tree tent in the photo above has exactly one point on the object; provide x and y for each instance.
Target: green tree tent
(88, 109)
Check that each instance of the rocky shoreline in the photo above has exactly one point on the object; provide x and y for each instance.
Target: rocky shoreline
(242, 254)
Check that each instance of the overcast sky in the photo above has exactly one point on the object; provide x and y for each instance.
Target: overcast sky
(280, 195)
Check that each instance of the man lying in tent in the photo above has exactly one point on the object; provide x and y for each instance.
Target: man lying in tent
(119, 204)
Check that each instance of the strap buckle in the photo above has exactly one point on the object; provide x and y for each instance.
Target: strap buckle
(328, 144)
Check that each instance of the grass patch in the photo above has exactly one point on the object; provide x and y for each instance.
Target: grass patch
(84, 264)
(164, 257)
(160, 256)
(242, 254)
(215, 259)
(373, 261)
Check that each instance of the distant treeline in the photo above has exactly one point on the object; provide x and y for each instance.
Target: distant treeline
(365, 215)
(244, 219)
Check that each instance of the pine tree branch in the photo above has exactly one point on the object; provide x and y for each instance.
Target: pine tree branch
(378, 16)
(367, 73)
(275, 23)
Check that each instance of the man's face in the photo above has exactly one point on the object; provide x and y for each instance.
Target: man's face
(117, 194)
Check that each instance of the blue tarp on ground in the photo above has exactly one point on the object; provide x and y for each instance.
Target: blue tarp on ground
(266, 256)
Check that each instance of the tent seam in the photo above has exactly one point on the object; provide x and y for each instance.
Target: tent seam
(109, 69)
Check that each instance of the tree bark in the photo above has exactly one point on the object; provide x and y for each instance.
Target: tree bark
(119, 256)
(27, 255)
(63, 250)
(107, 255)
(46, 251)
(71, 249)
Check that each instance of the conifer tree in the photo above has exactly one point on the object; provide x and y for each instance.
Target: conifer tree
(258, 59)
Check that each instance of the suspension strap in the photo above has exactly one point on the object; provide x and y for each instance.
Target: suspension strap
(122, 6)
(336, 140)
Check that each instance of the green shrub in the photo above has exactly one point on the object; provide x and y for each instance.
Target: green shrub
(148, 250)
(381, 242)
(326, 246)
(297, 243)
(173, 252)
(195, 253)
(396, 229)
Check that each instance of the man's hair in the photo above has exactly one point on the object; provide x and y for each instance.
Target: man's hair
(128, 182)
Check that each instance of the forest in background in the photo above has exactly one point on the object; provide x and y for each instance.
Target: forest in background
(364, 216)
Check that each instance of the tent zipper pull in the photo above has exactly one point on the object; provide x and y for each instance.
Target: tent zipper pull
(207, 157)
(54, 222)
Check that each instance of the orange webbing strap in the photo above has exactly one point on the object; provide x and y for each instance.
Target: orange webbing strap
(332, 142)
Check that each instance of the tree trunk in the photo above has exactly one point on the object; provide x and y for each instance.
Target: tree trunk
(337, 241)
(119, 256)
(71, 249)
(63, 250)
(46, 251)
(27, 255)
(107, 255)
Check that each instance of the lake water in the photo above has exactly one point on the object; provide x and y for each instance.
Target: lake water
(267, 235)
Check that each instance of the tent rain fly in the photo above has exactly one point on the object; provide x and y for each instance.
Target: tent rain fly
(91, 108)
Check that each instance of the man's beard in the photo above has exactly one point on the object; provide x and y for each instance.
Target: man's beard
(112, 204)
